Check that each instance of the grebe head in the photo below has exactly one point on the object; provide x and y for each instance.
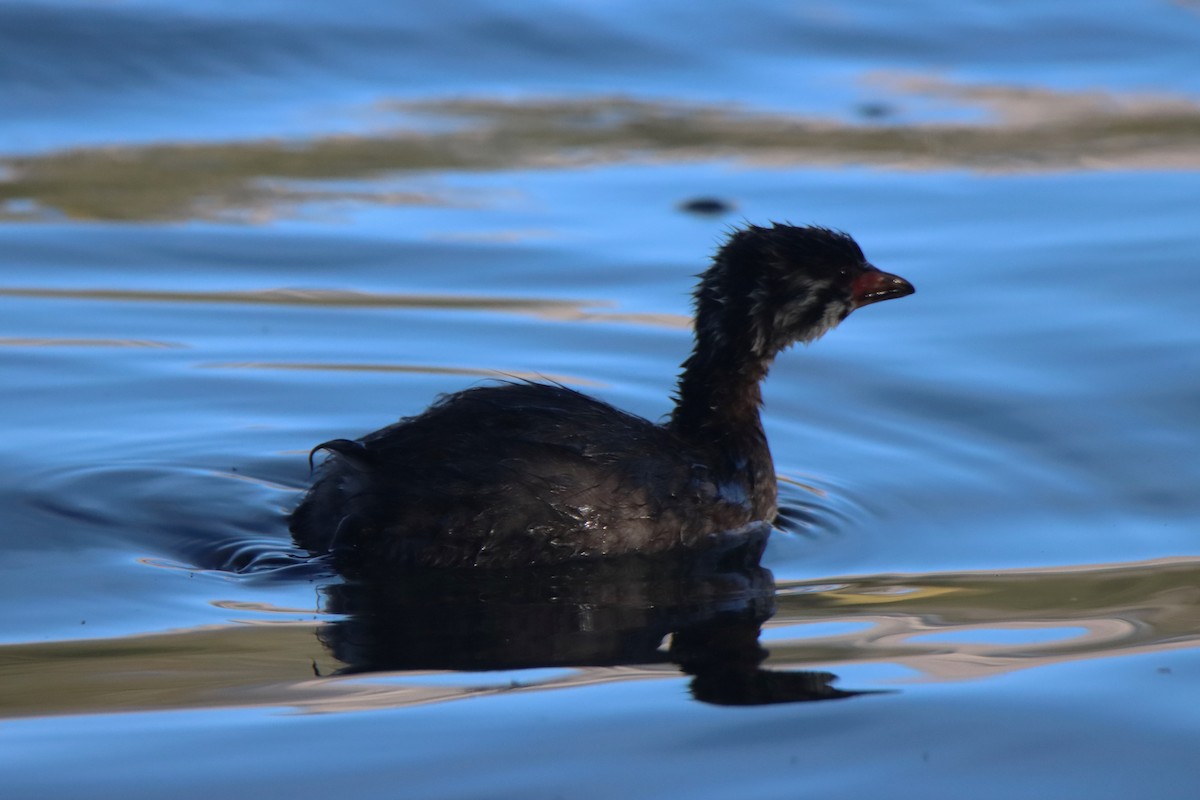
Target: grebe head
(770, 287)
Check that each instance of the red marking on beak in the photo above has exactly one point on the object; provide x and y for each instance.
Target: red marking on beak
(875, 285)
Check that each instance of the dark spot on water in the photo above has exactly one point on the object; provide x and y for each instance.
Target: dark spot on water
(706, 206)
(875, 110)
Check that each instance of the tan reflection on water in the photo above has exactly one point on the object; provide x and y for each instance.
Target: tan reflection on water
(1111, 610)
(47, 341)
(419, 369)
(548, 309)
(939, 626)
(314, 297)
(1025, 129)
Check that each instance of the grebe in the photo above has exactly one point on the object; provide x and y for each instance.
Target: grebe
(523, 473)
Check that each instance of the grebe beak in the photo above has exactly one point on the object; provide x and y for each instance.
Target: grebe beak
(875, 285)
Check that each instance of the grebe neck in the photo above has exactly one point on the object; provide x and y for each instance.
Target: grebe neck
(717, 410)
(718, 397)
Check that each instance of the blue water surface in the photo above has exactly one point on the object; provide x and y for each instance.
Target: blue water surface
(229, 231)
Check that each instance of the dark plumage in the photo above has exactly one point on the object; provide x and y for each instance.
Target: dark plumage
(532, 473)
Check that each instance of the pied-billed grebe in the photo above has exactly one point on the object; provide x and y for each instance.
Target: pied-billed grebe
(532, 473)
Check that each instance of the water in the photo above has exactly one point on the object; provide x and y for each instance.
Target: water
(230, 231)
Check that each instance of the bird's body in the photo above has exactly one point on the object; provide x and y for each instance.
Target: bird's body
(533, 473)
(565, 476)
